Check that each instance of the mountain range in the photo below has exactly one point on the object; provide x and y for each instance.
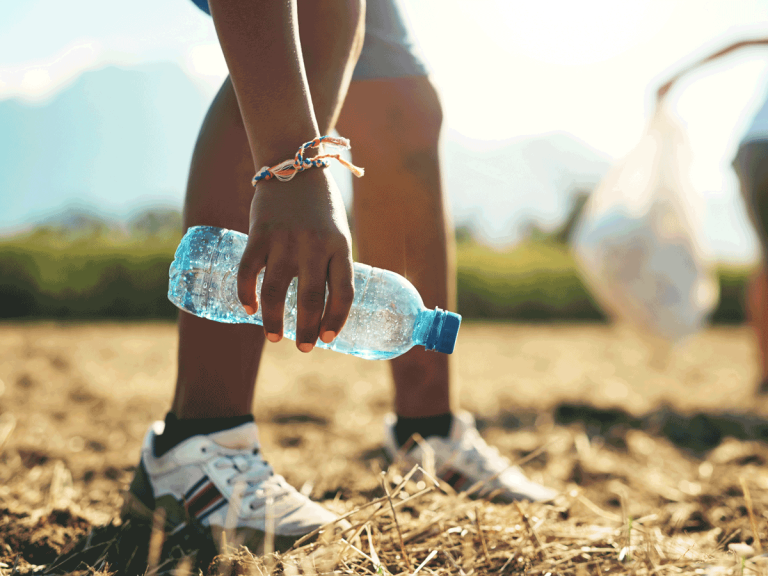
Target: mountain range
(113, 139)
(120, 139)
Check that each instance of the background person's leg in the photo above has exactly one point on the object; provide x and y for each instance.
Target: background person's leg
(757, 315)
(218, 363)
(401, 220)
(751, 166)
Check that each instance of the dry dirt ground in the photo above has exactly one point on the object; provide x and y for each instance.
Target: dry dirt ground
(660, 458)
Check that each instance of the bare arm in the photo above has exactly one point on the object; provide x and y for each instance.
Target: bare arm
(297, 228)
(661, 92)
(260, 41)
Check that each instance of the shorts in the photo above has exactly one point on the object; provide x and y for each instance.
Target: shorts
(389, 49)
(751, 166)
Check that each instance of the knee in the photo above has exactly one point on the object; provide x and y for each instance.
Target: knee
(420, 114)
(416, 141)
(412, 146)
(331, 31)
(393, 120)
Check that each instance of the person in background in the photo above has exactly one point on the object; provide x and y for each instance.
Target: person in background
(298, 70)
(751, 167)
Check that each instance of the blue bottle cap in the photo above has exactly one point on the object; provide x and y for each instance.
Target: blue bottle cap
(446, 341)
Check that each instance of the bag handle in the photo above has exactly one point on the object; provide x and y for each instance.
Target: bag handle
(664, 90)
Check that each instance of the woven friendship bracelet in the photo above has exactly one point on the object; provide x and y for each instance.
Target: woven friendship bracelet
(287, 170)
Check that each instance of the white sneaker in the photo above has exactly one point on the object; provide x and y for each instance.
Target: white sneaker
(199, 481)
(464, 459)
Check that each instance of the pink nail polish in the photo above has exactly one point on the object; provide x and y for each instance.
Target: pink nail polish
(328, 336)
(306, 347)
(249, 309)
(273, 337)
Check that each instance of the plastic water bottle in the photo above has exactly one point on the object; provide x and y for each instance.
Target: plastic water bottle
(387, 317)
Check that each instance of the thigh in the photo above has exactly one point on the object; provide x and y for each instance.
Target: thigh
(219, 190)
(390, 116)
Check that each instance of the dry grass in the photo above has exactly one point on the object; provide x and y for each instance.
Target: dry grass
(642, 491)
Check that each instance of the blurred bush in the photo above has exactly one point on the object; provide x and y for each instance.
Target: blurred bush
(537, 280)
(50, 274)
(100, 273)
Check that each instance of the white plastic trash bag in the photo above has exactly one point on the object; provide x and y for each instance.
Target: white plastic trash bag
(639, 242)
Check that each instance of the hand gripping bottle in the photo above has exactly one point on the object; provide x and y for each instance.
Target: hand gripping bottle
(387, 317)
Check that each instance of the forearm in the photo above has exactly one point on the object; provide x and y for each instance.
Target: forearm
(260, 41)
(298, 226)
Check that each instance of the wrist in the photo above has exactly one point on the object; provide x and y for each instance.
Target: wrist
(303, 160)
(317, 177)
(277, 151)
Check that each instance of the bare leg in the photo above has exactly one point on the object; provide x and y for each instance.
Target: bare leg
(402, 223)
(751, 168)
(401, 219)
(218, 363)
(757, 312)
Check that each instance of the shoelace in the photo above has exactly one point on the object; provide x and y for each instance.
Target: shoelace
(255, 474)
(478, 453)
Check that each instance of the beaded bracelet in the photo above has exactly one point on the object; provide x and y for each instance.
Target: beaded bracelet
(289, 168)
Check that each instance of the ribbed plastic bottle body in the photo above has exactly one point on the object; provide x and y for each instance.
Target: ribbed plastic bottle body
(387, 317)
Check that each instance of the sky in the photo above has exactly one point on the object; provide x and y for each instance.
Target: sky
(504, 68)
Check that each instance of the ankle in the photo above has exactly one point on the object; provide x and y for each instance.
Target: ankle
(439, 425)
(179, 429)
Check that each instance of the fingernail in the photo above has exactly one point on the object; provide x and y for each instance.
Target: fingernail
(328, 336)
(306, 347)
(273, 337)
(249, 309)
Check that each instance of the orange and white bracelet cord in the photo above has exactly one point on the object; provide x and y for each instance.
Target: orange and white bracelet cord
(289, 168)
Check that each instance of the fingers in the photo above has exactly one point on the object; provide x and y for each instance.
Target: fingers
(282, 261)
(280, 271)
(253, 260)
(310, 299)
(341, 293)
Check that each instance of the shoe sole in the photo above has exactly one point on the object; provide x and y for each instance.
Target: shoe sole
(453, 480)
(133, 509)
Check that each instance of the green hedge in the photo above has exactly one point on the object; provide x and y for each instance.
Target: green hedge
(43, 276)
(46, 276)
(534, 281)
(539, 281)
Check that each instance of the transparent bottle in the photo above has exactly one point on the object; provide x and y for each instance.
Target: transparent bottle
(387, 317)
